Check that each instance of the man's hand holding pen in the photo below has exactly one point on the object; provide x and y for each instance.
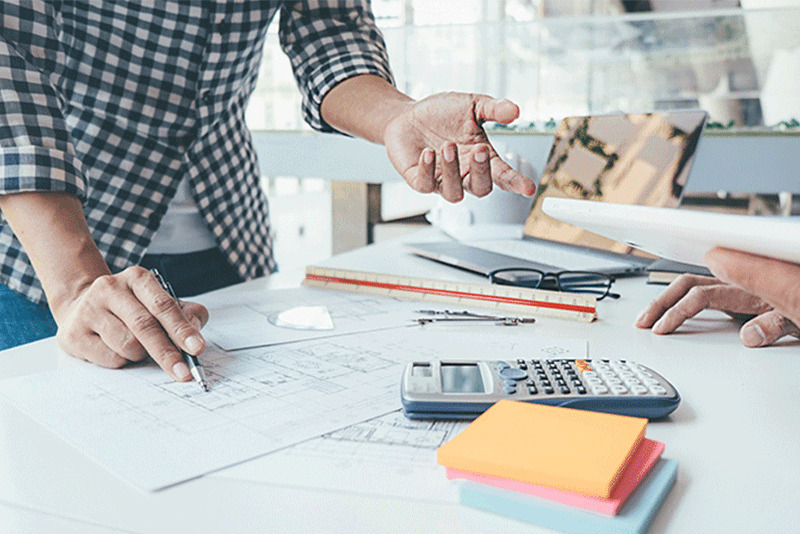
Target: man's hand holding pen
(123, 318)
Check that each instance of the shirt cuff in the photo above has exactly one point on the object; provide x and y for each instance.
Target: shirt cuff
(36, 168)
(333, 73)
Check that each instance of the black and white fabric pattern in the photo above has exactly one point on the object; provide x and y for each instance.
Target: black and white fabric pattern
(116, 102)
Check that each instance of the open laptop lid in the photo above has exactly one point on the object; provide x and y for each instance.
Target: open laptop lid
(635, 158)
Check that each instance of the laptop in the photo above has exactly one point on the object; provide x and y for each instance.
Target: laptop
(683, 235)
(637, 158)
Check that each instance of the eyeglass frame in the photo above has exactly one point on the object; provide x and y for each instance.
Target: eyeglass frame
(492, 275)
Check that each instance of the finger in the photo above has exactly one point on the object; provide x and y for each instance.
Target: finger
(149, 332)
(722, 297)
(118, 337)
(451, 187)
(507, 179)
(87, 346)
(766, 329)
(669, 297)
(197, 314)
(163, 307)
(777, 282)
(422, 176)
(494, 109)
(93, 349)
(479, 180)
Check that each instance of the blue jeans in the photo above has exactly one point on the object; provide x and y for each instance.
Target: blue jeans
(22, 321)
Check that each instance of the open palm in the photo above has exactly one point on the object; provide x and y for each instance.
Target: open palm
(439, 145)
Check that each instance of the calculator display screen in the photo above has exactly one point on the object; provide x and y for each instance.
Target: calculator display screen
(461, 378)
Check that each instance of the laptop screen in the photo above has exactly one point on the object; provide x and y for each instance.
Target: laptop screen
(637, 158)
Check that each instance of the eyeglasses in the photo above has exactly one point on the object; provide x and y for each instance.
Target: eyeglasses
(568, 281)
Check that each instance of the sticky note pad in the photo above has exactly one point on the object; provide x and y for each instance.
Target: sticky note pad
(635, 516)
(647, 454)
(562, 448)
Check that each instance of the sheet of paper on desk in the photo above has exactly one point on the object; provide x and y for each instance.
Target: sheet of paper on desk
(252, 322)
(391, 455)
(155, 433)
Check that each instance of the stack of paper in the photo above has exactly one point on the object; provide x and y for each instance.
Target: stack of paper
(565, 469)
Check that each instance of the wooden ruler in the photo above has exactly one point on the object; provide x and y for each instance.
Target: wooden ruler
(521, 300)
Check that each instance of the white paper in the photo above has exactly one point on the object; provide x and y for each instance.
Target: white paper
(155, 433)
(247, 323)
(391, 455)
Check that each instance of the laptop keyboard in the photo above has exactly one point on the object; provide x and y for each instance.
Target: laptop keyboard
(563, 257)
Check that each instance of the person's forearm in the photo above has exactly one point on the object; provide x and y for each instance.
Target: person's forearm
(362, 106)
(52, 229)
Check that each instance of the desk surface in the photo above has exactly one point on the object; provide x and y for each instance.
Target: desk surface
(735, 437)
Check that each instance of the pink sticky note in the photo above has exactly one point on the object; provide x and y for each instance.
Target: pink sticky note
(647, 454)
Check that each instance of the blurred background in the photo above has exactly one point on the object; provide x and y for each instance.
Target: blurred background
(737, 59)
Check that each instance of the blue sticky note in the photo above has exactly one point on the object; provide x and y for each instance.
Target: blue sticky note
(635, 515)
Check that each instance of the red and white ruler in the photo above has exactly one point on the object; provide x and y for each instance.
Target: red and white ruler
(521, 300)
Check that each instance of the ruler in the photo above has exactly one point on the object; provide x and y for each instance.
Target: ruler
(520, 300)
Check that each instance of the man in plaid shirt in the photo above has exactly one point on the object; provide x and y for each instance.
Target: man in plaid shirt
(117, 117)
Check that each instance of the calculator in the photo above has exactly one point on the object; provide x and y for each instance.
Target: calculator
(463, 389)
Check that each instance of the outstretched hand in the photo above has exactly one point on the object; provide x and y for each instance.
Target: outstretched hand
(439, 145)
(763, 292)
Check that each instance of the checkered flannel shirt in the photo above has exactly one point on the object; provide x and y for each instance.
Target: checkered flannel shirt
(116, 102)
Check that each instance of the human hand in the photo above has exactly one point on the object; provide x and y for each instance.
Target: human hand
(439, 145)
(123, 318)
(763, 290)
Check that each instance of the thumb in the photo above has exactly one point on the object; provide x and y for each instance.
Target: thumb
(766, 329)
(494, 109)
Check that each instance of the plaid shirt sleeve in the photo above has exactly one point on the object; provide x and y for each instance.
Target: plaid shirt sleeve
(35, 149)
(328, 42)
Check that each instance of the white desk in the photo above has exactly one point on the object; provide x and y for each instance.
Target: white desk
(735, 437)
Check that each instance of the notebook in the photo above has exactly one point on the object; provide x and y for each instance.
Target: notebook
(635, 517)
(684, 235)
(562, 448)
(647, 454)
(636, 158)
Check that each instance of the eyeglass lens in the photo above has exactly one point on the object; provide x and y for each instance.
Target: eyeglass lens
(570, 281)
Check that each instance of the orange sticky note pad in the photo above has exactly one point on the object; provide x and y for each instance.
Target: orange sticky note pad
(562, 448)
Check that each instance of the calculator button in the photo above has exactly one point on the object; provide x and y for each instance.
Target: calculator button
(589, 374)
(564, 390)
(509, 390)
(599, 390)
(513, 374)
(638, 390)
(632, 382)
(549, 390)
(501, 365)
(530, 383)
(619, 390)
(658, 390)
(581, 390)
(594, 381)
(532, 390)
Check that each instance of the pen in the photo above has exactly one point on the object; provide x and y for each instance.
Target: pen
(194, 364)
